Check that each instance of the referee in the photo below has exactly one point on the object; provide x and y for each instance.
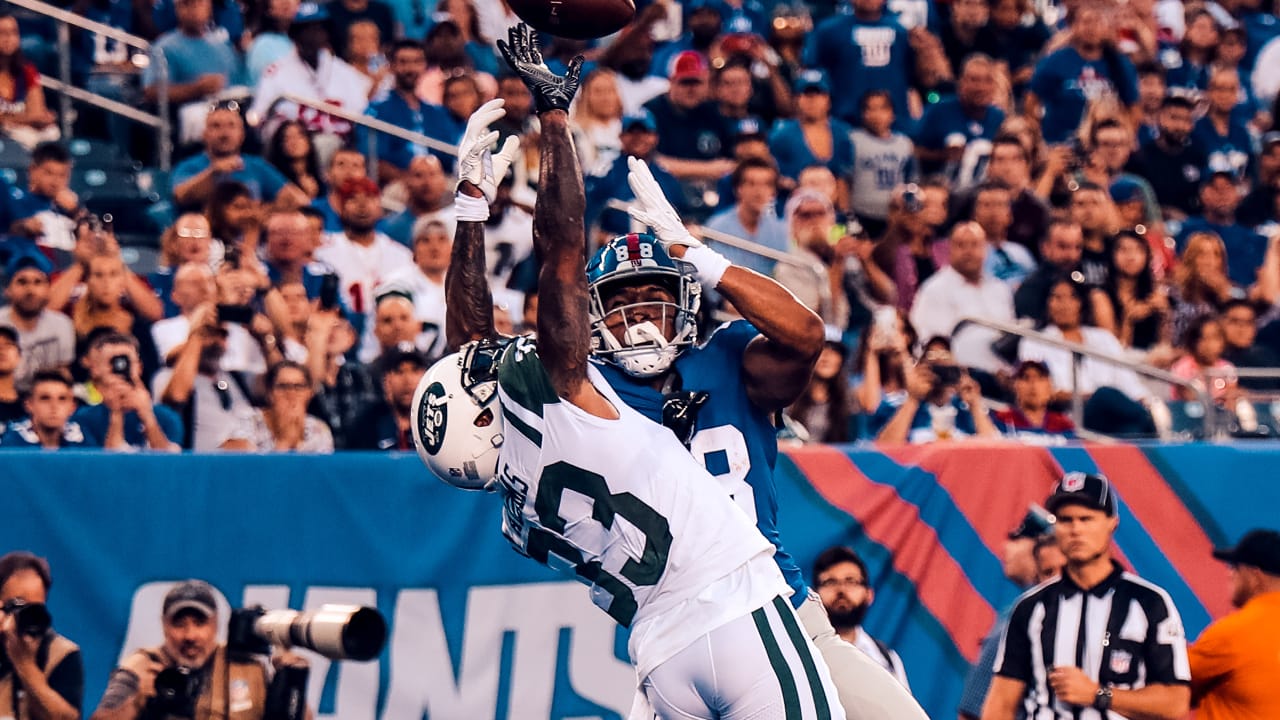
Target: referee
(1099, 643)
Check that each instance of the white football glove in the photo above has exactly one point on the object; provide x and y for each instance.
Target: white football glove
(476, 163)
(652, 208)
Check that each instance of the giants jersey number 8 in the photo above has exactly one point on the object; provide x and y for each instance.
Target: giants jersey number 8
(727, 440)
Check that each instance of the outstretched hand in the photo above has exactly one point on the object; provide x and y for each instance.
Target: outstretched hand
(550, 91)
(476, 163)
(652, 208)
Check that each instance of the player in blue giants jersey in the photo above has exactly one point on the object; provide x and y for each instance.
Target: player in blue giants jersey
(719, 396)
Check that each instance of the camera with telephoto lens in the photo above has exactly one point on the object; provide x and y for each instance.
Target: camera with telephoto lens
(338, 632)
(177, 689)
(30, 619)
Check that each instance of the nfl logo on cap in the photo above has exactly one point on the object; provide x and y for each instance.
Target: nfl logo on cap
(1073, 482)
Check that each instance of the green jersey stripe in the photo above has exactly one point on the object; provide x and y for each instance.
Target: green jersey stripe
(806, 658)
(523, 427)
(790, 695)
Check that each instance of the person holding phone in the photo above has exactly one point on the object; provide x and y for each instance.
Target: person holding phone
(118, 407)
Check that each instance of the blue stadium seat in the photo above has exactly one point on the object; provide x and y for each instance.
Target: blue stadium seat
(100, 155)
(13, 155)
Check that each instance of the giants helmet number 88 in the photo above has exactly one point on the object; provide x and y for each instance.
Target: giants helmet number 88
(457, 424)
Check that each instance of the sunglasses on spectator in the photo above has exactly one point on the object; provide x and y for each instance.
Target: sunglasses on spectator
(809, 213)
(192, 233)
(231, 105)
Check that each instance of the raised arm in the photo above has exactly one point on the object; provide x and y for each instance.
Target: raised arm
(559, 232)
(777, 364)
(468, 300)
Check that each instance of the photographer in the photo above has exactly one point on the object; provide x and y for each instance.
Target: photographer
(119, 408)
(942, 402)
(41, 672)
(192, 675)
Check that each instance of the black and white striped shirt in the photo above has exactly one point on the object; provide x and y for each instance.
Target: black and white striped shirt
(1124, 633)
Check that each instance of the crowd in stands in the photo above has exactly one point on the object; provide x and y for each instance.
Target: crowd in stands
(1106, 173)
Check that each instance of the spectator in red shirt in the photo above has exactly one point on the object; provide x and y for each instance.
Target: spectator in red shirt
(1030, 413)
(24, 117)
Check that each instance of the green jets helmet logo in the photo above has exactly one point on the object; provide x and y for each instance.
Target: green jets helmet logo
(433, 415)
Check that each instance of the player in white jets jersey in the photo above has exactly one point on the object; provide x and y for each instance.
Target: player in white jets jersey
(589, 485)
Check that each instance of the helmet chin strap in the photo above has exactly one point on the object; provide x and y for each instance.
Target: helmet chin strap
(645, 332)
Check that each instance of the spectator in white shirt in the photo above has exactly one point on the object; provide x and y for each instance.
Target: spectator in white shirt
(423, 282)
(963, 290)
(1115, 396)
(362, 257)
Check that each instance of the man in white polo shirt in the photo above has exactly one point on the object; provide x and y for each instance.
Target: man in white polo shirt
(961, 290)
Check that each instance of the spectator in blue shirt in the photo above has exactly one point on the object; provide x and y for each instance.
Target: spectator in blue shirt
(739, 16)
(426, 196)
(346, 164)
(403, 109)
(639, 139)
(1087, 70)
(200, 64)
(941, 402)
(867, 50)
(796, 143)
(48, 190)
(228, 20)
(948, 135)
(1221, 133)
(48, 425)
(125, 417)
(753, 216)
(1246, 249)
(1188, 64)
(195, 178)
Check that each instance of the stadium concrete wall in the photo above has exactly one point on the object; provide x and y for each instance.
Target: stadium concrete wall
(479, 632)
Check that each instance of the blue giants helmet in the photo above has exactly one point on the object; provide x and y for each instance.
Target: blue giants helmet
(644, 350)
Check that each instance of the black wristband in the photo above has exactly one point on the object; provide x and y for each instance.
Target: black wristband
(1102, 701)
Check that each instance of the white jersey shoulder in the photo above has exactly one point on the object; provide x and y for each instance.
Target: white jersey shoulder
(627, 509)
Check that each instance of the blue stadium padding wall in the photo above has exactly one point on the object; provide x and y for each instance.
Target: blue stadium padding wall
(478, 632)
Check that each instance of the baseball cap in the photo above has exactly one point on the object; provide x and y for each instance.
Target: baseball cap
(1036, 523)
(1185, 97)
(310, 12)
(1216, 172)
(27, 259)
(1092, 490)
(1258, 548)
(358, 186)
(1026, 365)
(687, 64)
(812, 80)
(1271, 138)
(749, 127)
(8, 331)
(195, 595)
(641, 117)
(401, 353)
(1126, 190)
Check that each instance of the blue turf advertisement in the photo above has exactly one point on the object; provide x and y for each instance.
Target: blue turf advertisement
(479, 632)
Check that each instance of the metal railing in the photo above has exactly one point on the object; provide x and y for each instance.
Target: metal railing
(68, 92)
(1079, 352)
(372, 124)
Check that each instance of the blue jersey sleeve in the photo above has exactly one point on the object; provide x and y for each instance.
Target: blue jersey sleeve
(272, 180)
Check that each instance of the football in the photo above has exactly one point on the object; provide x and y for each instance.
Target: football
(576, 19)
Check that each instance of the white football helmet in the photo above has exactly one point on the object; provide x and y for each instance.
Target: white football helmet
(457, 423)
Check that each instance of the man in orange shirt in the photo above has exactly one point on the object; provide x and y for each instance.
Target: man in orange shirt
(1236, 662)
